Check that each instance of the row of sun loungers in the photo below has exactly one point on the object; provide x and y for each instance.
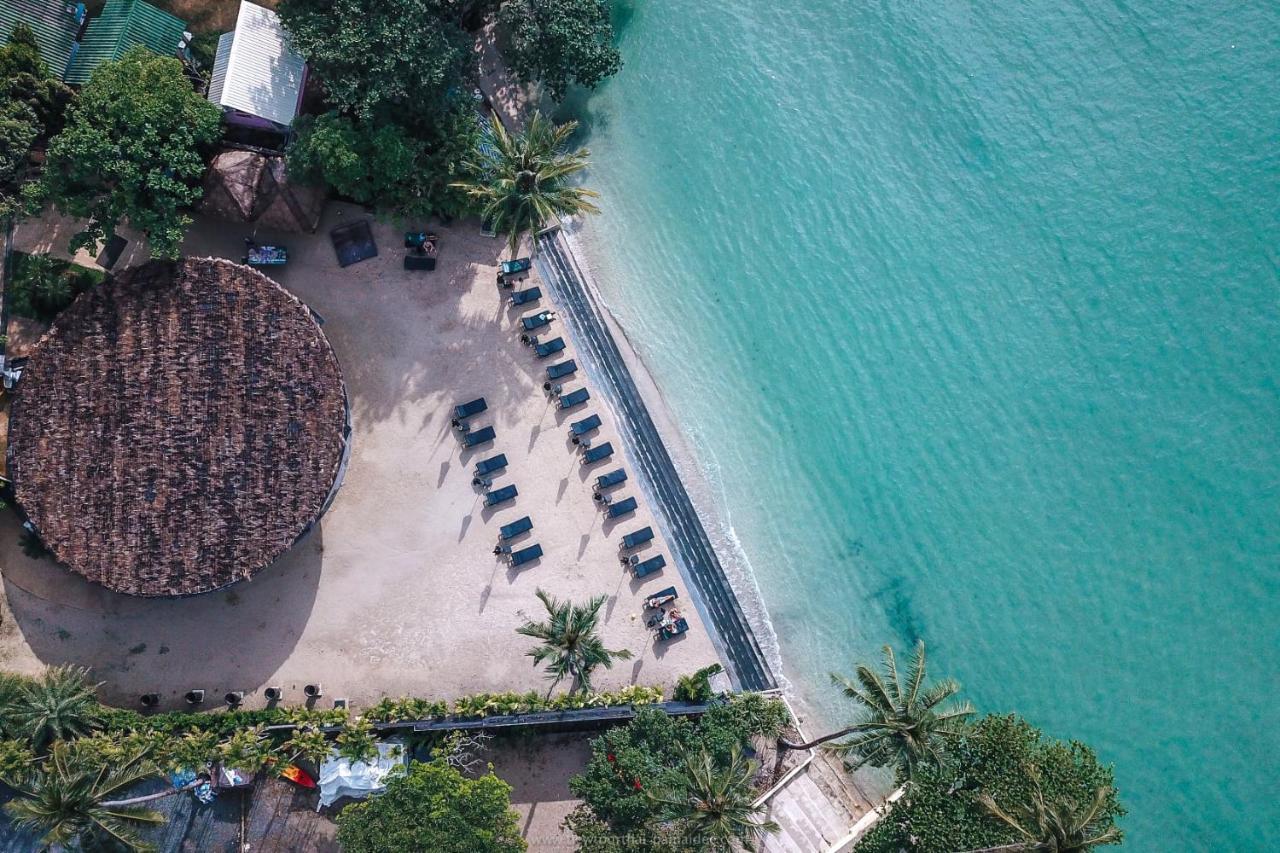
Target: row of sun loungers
(667, 623)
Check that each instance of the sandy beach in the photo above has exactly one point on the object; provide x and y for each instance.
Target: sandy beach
(396, 591)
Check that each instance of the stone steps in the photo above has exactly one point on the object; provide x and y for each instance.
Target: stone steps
(810, 821)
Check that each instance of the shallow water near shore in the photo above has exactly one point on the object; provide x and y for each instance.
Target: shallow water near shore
(970, 313)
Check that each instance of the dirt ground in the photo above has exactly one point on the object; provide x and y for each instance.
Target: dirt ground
(396, 591)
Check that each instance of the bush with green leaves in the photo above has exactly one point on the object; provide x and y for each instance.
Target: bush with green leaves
(43, 286)
(1010, 761)
(696, 687)
(433, 807)
(559, 43)
(133, 149)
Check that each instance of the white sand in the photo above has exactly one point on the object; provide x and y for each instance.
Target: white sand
(396, 591)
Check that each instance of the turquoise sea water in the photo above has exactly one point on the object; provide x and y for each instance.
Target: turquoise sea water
(972, 313)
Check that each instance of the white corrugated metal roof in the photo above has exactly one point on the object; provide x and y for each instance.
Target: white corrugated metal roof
(254, 71)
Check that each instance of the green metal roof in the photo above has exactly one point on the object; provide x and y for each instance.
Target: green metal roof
(124, 24)
(55, 29)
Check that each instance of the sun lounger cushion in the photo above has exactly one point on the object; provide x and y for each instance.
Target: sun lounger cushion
(536, 321)
(585, 425)
(515, 528)
(622, 508)
(470, 409)
(419, 262)
(649, 566)
(680, 626)
(500, 496)
(551, 347)
(524, 555)
(639, 537)
(524, 297)
(613, 478)
(663, 596)
(478, 437)
(597, 453)
(575, 398)
(515, 266)
(561, 370)
(493, 463)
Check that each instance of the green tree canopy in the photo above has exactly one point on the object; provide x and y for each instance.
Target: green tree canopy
(433, 807)
(560, 42)
(32, 105)
(385, 165)
(72, 803)
(571, 646)
(381, 59)
(630, 763)
(133, 148)
(21, 54)
(1005, 760)
(525, 179)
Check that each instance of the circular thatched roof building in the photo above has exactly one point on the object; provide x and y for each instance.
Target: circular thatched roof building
(178, 428)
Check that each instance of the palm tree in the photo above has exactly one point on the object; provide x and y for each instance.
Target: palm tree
(67, 800)
(1054, 827)
(715, 803)
(905, 723)
(60, 705)
(570, 645)
(521, 181)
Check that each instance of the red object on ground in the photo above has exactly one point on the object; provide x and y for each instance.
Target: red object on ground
(298, 776)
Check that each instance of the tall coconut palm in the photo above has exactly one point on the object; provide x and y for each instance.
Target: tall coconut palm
(521, 181)
(66, 800)
(715, 803)
(905, 723)
(60, 705)
(1061, 826)
(570, 645)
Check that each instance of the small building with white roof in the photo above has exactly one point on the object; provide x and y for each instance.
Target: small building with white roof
(257, 79)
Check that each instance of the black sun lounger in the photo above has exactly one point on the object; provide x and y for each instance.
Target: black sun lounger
(493, 463)
(597, 454)
(649, 566)
(639, 537)
(561, 370)
(479, 437)
(613, 478)
(500, 496)
(537, 321)
(524, 297)
(419, 262)
(575, 398)
(467, 410)
(674, 630)
(621, 508)
(584, 426)
(515, 528)
(524, 555)
(551, 347)
(661, 597)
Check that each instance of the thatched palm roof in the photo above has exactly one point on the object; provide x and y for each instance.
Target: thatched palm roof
(248, 186)
(177, 428)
